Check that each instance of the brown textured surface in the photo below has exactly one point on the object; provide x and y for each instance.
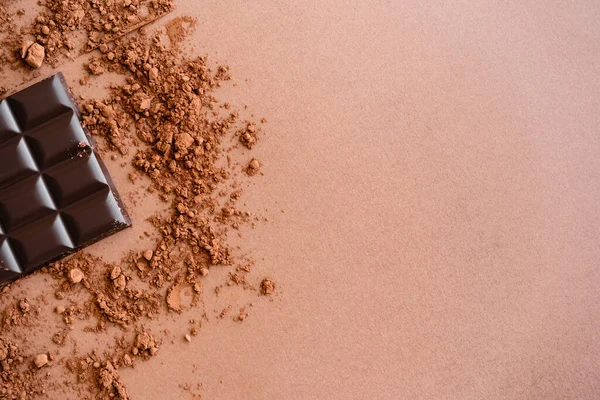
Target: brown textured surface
(437, 168)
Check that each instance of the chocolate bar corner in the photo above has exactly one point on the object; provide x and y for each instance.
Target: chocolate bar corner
(56, 196)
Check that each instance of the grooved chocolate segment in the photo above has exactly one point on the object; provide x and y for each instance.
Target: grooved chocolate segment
(40, 241)
(56, 140)
(16, 162)
(75, 179)
(90, 218)
(24, 203)
(40, 103)
(8, 124)
(55, 194)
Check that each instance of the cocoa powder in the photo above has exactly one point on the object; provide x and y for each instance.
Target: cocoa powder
(101, 21)
(168, 121)
(19, 377)
(58, 29)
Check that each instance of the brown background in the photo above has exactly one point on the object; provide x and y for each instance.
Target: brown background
(437, 168)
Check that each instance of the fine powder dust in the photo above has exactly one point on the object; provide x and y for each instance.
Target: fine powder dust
(166, 119)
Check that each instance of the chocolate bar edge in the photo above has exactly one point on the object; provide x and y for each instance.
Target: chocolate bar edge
(107, 175)
(119, 226)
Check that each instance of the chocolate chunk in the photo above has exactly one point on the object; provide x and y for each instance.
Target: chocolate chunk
(56, 196)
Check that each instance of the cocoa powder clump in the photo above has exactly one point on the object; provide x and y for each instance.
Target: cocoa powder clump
(145, 346)
(267, 287)
(110, 382)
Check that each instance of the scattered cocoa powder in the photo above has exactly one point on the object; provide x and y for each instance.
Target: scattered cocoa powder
(110, 383)
(19, 378)
(9, 42)
(106, 285)
(177, 28)
(102, 21)
(64, 29)
(19, 314)
(167, 118)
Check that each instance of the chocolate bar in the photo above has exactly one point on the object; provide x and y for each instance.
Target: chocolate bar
(56, 195)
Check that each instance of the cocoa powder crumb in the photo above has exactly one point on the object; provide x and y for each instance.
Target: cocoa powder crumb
(76, 275)
(24, 306)
(148, 254)
(41, 360)
(253, 167)
(267, 287)
(248, 135)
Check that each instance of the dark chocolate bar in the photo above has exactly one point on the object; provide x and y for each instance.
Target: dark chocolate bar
(56, 195)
